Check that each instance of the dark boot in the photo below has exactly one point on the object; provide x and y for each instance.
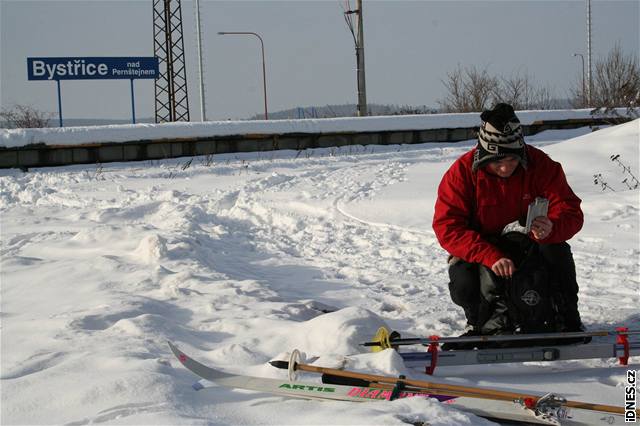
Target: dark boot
(572, 323)
(470, 330)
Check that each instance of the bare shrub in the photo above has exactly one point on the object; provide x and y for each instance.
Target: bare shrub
(472, 90)
(616, 80)
(24, 117)
(543, 98)
(520, 91)
(468, 90)
(578, 96)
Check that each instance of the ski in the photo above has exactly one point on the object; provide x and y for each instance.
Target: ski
(384, 340)
(549, 409)
(450, 389)
(528, 347)
(516, 355)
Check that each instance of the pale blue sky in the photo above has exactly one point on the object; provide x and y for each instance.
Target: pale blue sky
(409, 47)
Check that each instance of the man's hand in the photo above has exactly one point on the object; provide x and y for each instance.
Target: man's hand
(504, 268)
(541, 227)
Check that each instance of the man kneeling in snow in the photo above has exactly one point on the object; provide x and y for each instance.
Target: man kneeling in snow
(486, 189)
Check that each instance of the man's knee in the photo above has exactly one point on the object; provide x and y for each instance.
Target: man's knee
(464, 283)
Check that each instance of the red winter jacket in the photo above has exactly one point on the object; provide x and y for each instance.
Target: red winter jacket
(474, 205)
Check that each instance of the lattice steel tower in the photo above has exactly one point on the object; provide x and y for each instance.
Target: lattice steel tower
(172, 101)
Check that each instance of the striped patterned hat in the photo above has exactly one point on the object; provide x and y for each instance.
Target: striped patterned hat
(500, 136)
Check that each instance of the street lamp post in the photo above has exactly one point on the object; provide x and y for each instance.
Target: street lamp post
(264, 70)
(584, 94)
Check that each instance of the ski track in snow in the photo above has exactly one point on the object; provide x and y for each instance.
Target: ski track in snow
(238, 262)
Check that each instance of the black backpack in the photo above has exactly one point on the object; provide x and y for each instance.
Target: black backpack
(526, 302)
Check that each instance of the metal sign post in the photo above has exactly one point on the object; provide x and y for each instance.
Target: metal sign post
(133, 104)
(59, 103)
(92, 68)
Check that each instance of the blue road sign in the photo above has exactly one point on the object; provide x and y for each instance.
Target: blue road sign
(92, 68)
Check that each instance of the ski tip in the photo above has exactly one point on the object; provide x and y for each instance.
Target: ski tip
(280, 364)
(173, 348)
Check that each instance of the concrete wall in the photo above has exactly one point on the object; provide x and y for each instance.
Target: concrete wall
(47, 156)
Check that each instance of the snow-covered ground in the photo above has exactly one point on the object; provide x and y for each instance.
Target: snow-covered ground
(245, 258)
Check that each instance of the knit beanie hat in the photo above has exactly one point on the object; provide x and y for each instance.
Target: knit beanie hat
(499, 136)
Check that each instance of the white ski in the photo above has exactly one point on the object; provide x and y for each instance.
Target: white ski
(551, 413)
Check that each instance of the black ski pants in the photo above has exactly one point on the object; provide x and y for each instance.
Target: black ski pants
(464, 284)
